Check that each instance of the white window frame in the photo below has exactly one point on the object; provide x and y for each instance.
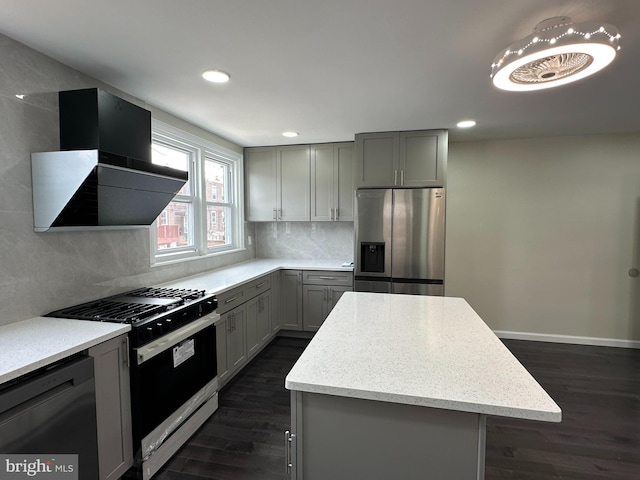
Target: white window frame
(201, 149)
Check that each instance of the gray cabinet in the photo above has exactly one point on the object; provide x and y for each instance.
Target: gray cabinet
(113, 407)
(403, 159)
(332, 190)
(276, 317)
(277, 183)
(321, 290)
(258, 323)
(291, 299)
(221, 350)
(344, 438)
(235, 321)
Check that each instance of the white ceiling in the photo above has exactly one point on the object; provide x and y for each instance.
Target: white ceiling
(332, 68)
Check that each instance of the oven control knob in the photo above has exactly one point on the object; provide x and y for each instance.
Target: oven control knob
(159, 328)
(148, 333)
(168, 325)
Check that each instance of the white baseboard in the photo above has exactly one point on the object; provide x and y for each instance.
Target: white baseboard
(543, 337)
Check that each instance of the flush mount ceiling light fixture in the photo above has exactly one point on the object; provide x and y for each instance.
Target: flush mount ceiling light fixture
(216, 76)
(290, 134)
(556, 53)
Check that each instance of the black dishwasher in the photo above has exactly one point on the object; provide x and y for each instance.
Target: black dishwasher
(52, 411)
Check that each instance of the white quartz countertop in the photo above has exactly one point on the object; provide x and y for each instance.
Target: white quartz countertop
(30, 344)
(226, 278)
(418, 350)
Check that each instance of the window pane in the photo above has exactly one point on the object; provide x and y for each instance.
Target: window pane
(174, 158)
(217, 228)
(176, 232)
(215, 177)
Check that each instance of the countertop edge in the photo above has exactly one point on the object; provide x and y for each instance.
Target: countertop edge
(551, 416)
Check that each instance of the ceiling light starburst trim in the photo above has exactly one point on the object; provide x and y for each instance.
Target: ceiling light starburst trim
(556, 53)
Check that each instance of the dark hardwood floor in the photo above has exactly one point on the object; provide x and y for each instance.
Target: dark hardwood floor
(598, 389)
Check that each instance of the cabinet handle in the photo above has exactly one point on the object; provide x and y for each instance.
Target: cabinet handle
(401, 177)
(327, 278)
(275, 217)
(395, 177)
(232, 299)
(335, 215)
(279, 214)
(331, 214)
(260, 285)
(288, 441)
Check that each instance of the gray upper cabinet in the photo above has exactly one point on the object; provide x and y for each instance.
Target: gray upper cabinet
(332, 190)
(277, 183)
(401, 159)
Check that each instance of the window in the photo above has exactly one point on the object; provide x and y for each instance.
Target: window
(205, 217)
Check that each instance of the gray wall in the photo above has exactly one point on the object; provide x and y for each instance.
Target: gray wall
(541, 234)
(44, 271)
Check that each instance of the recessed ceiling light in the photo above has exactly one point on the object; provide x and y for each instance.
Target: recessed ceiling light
(290, 134)
(216, 76)
(466, 124)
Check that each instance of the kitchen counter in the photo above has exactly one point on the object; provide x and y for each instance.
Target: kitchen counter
(30, 344)
(223, 279)
(393, 386)
(418, 350)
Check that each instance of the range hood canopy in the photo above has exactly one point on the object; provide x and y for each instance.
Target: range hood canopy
(103, 177)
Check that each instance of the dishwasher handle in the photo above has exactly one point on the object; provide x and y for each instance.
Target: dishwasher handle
(70, 374)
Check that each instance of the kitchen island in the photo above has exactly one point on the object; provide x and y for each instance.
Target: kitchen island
(399, 386)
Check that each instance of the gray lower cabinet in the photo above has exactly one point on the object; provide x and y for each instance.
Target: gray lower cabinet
(276, 317)
(343, 438)
(258, 322)
(321, 291)
(113, 407)
(244, 327)
(221, 350)
(291, 299)
(236, 339)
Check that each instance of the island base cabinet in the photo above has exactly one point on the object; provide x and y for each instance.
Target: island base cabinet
(345, 438)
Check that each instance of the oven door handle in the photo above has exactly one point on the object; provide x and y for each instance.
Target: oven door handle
(152, 349)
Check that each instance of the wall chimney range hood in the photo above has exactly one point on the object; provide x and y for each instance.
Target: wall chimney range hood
(102, 178)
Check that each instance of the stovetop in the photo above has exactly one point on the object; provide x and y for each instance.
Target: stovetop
(151, 311)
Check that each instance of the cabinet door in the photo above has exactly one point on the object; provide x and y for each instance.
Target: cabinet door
(422, 158)
(314, 306)
(291, 299)
(260, 184)
(264, 318)
(333, 295)
(236, 344)
(276, 317)
(221, 350)
(253, 341)
(113, 407)
(294, 170)
(343, 189)
(322, 182)
(377, 159)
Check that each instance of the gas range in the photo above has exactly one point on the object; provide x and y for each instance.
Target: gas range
(151, 311)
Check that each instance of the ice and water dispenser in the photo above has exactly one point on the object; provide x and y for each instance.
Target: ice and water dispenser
(372, 257)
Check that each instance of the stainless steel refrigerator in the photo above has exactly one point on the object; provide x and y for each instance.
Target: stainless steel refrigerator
(400, 240)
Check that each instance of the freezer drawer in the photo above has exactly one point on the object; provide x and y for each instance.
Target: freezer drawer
(418, 289)
(374, 286)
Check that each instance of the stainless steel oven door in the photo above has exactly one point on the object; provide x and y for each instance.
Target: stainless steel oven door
(171, 372)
